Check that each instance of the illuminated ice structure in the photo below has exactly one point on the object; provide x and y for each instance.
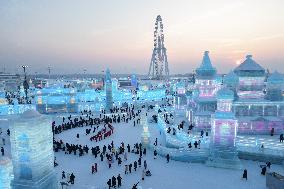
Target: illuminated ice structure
(223, 151)
(32, 152)
(145, 138)
(108, 91)
(258, 105)
(6, 172)
(206, 87)
(134, 82)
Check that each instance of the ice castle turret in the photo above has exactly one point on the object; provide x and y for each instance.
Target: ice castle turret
(206, 89)
(6, 172)
(251, 79)
(32, 152)
(108, 90)
(223, 152)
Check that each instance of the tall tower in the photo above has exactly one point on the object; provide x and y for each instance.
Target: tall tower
(32, 152)
(223, 151)
(159, 68)
(108, 90)
(206, 98)
(145, 136)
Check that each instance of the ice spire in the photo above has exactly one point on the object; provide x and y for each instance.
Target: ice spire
(108, 90)
(206, 68)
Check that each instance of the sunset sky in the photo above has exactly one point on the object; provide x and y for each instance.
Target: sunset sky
(73, 35)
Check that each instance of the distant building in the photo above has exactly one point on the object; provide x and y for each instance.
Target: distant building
(11, 81)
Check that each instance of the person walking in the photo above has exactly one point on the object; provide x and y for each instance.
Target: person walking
(168, 158)
(119, 179)
(245, 174)
(145, 164)
(113, 181)
(155, 154)
(109, 183)
(2, 151)
(72, 178)
(143, 174)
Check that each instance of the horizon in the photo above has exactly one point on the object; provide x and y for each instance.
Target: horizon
(70, 36)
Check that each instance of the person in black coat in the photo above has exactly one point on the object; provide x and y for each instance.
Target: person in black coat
(109, 183)
(281, 138)
(119, 161)
(168, 158)
(263, 170)
(2, 151)
(102, 157)
(155, 154)
(145, 164)
(139, 162)
(130, 166)
(245, 174)
(113, 181)
(119, 179)
(72, 178)
(63, 175)
(128, 148)
(135, 165)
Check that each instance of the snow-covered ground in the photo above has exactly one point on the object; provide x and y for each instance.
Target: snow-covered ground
(164, 175)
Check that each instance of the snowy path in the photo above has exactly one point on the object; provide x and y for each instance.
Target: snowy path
(165, 176)
(174, 175)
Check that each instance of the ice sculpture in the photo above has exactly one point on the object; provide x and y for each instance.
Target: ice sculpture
(32, 152)
(207, 86)
(145, 138)
(223, 152)
(108, 89)
(6, 172)
(134, 82)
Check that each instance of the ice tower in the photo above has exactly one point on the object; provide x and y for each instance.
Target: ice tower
(134, 82)
(108, 90)
(145, 138)
(32, 152)
(206, 86)
(223, 152)
(251, 79)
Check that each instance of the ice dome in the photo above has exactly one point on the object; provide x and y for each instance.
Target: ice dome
(225, 93)
(275, 78)
(249, 67)
(231, 78)
(30, 114)
(206, 68)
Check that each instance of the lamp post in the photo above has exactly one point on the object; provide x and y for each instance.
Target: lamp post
(25, 83)
(49, 69)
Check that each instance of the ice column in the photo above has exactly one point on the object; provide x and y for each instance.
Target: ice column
(6, 173)
(32, 152)
(223, 152)
(108, 90)
(145, 137)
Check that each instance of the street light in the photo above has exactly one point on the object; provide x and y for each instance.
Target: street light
(24, 67)
(25, 84)
(49, 69)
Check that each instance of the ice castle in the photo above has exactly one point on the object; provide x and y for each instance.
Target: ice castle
(32, 152)
(258, 101)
